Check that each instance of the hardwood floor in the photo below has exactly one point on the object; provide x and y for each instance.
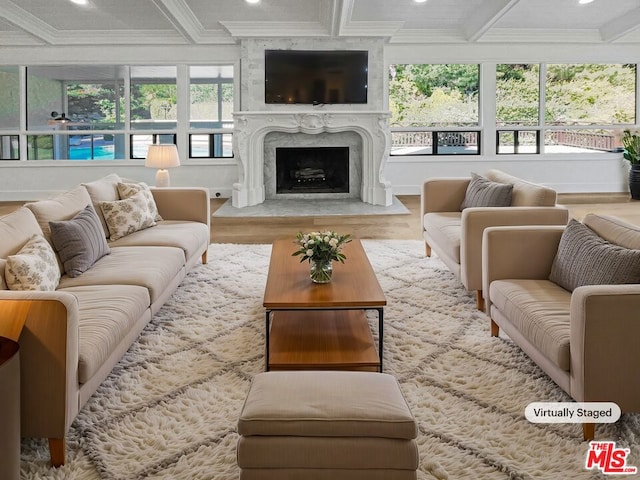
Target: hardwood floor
(265, 230)
(401, 227)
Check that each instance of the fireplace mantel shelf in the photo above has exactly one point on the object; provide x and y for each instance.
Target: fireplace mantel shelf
(251, 127)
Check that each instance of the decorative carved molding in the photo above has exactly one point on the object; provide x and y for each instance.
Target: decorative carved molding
(250, 129)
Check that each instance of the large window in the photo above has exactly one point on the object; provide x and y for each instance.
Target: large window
(211, 104)
(114, 112)
(585, 107)
(432, 108)
(154, 98)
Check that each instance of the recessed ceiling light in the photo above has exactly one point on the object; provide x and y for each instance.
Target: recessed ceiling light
(584, 2)
(252, 1)
(80, 2)
(419, 1)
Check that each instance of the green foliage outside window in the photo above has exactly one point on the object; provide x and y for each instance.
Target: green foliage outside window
(434, 95)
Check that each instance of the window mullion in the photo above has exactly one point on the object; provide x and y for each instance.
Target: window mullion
(542, 106)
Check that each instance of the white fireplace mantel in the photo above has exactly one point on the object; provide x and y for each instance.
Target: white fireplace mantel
(250, 129)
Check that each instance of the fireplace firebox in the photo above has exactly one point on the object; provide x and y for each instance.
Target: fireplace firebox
(303, 170)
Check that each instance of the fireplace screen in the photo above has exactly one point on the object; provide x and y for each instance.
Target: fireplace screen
(312, 170)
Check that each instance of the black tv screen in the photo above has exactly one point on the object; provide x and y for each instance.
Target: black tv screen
(316, 76)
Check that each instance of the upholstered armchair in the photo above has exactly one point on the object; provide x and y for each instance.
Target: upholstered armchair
(453, 230)
(569, 297)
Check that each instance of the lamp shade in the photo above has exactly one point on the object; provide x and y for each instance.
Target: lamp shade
(162, 156)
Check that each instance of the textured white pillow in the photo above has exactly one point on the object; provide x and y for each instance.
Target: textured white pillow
(127, 216)
(126, 190)
(34, 267)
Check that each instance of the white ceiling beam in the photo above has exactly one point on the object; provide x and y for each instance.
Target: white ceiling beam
(621, 26)
(182, 18)
(486, 17)
(27, 22)
(330, 14)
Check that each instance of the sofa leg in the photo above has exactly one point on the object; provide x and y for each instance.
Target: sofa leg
(495, 329)
(57, 451)
(479, 300)
(427, 249)
(589, 431)
(204, 257)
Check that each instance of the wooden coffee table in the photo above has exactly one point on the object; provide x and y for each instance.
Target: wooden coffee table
(321, 326)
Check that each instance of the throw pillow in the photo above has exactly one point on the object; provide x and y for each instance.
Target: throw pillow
(584, 258)
(3, 284)
(34, 267)
(127, 216)
(80, 242)
(126, 190)
(482, 192)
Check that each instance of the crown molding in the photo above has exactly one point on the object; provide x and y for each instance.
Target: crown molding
(239, 29)
(541, 35)
(416, 35)
(121, 37)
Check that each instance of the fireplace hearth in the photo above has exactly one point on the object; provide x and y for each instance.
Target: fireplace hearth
(302, 170)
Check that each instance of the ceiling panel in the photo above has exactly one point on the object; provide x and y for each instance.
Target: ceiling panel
(432, 14)
(98, 15)
(161, 22)
(565, 14)
(209, 13)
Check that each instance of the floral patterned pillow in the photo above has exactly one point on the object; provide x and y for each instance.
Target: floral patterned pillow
(34, 267)
(127, 216)
(126, 190)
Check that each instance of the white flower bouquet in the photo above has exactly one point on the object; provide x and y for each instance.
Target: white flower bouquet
(321, 248)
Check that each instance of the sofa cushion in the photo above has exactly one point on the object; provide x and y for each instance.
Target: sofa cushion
(482, 192)
(539, 309)
(126, 190)
(445, 229)
(614, 230)
(79, 241)
(107, 315)
(126, 216)
(189, 236)
(584, 258)
(152, 267)
(525, 194)
(61, 207)
(34, 267)
(15, 229)
(104, 189)
(326, 404)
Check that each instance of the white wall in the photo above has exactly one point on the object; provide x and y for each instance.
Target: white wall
(567, 173)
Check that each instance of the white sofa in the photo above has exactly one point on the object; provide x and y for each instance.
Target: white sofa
(585, 339)
(455, 233)
(71, 338)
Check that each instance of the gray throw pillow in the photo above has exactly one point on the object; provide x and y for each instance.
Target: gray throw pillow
(584, 258)
(482, 192)
(80, 242)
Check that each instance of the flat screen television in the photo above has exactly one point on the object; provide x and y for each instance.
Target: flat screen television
(316, 76)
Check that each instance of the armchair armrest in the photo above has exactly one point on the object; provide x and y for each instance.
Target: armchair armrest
(442, 195)
(475, 220)
(605, 327)
(48, 358)
(183, 203)
(518, 252)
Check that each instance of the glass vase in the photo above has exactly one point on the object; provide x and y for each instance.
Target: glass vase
(320, 271)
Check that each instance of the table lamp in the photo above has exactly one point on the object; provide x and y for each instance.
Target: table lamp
(162, 156)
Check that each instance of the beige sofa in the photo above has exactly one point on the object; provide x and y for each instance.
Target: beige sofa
(73, 337)
(586, 340)
(456, 234)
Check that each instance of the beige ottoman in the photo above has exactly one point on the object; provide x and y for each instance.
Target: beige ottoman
(315, 425)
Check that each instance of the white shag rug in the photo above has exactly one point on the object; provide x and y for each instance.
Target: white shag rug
(169, 409)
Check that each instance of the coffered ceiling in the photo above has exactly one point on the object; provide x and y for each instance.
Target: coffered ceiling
(178, 22)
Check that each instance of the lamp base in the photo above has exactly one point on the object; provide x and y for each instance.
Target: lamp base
(162, 178)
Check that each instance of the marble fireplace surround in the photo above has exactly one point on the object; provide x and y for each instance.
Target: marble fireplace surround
(251, 128)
